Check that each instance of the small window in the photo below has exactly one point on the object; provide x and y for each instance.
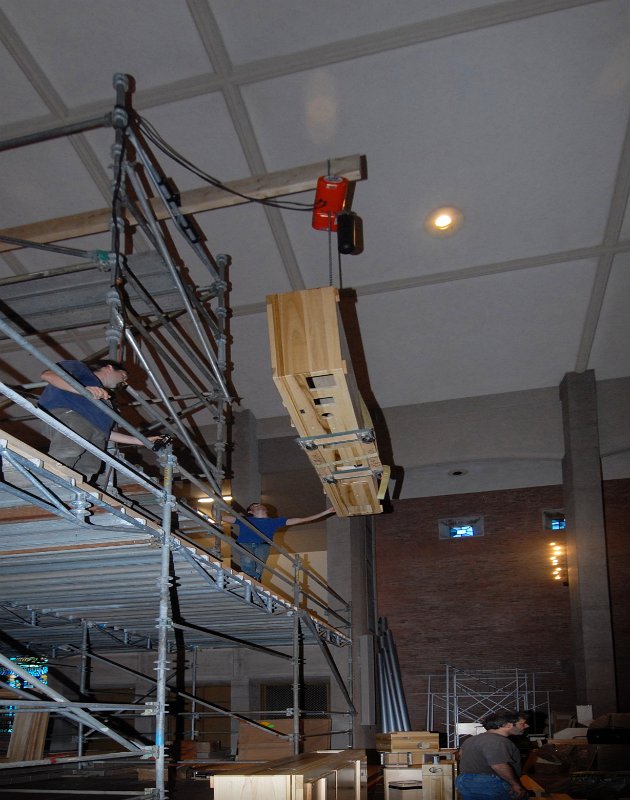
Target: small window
(554, 520)
(35, 666)
(460, 527)
(456, 531)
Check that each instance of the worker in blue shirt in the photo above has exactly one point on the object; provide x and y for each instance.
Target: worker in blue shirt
(258, 516)
(88, 419)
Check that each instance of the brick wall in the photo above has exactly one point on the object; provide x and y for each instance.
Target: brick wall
(488, 602)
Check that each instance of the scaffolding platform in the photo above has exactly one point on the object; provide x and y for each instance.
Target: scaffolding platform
(72, 555)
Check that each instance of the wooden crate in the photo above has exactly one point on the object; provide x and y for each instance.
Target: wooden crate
(408, 758)
(406, 741)
(313, 374)
(438, 781)
(413, 758)
(398, 774)
(333, 775)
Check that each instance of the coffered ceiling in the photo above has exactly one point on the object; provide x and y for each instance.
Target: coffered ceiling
(514, 112)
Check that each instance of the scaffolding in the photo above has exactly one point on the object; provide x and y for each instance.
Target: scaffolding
(134, 566)
(460, 698)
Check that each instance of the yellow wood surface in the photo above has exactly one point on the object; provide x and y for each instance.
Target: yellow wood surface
(207, 198)
(403, 741)
(308, 776)
(55, 467)
(28, 737)
(438, 781)
(313, 373)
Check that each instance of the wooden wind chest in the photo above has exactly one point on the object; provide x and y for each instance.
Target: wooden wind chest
(313, 374)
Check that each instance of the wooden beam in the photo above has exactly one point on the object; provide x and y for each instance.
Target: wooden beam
(206, 198)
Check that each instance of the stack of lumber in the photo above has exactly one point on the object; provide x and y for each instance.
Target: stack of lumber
(313, 374)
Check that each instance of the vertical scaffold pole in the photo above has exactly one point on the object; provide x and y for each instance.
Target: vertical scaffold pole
(120, 121)
(83, 688)
(168, 462)
(296, 655)
(350, 668)
(220, 446)
(193, 689)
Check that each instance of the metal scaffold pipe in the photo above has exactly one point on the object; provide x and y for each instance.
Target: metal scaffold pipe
(104, 121)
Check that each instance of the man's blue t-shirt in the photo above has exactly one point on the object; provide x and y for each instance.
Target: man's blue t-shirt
(266, 525)
(53, 398)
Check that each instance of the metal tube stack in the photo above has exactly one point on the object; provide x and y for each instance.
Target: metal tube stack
(394, 714)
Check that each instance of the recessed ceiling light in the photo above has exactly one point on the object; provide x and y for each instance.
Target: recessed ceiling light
(444, 221)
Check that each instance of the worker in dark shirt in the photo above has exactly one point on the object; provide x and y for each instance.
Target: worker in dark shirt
(489, 763)
(88, 419)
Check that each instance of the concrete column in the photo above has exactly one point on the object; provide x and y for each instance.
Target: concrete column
(586, 545)
(246, 482)
(350, 558)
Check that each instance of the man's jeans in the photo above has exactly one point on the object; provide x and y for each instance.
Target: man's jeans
(483, 787)
(248, 565)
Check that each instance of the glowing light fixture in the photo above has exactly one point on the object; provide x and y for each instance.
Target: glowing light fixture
(558, 562)
(444, 221)
(226, 490)
(205, 499)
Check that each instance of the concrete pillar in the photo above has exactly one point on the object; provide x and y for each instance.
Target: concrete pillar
(246, 482)
(245, 490)
(586, 545)
(350, 560)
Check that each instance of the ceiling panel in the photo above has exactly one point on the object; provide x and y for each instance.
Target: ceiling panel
(81, 45)
(473, 121)
(517, 116)
(490, 335)
(254, 32)
(243, 234)
(610, 356)
(42, 181)
(19, 99)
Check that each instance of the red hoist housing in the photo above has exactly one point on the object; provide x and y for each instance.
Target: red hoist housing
(330, 197)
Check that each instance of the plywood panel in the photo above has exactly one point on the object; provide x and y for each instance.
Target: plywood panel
(28, 737)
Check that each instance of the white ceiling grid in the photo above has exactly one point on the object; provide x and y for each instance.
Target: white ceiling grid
(516, 112)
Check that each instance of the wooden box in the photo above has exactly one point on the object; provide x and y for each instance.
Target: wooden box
(313, 374)
(399, 774)
(438, 781)
(410, 758)
(406, 741)
(334, 775)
